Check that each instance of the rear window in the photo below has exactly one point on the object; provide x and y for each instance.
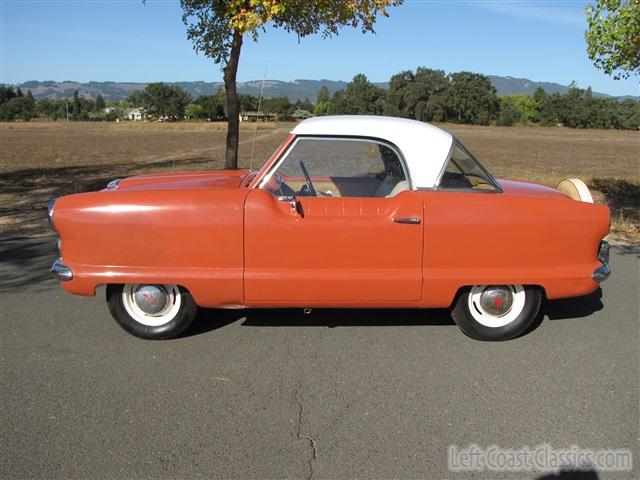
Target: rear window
(464, 172)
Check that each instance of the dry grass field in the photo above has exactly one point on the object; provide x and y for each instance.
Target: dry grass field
(40, 160)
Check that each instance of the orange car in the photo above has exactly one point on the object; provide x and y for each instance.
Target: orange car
(350, 211)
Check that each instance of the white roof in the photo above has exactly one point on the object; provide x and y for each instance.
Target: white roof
(425, 148)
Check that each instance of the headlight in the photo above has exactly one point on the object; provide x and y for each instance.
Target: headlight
(50, 207)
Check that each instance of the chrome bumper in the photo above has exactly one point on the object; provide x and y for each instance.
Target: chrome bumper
(601, 273)
(61, 271)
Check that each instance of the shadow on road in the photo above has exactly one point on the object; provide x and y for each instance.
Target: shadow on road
(571, 475)
(628, 250)
(212, 319)
(25, 263)
(577, 307)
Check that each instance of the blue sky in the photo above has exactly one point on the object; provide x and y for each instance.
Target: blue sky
(123, 40)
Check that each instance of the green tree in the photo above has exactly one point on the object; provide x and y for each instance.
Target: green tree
(281, 106)
(166, 102)
(213, 105)
(323, 95)
(135, 99)
(6, 93)
(572, 108)
(75, 106)
(426, 95)
(526, 105)
(544, 111)
(29, 107)
(510, 112)
(195, 111)
(322, 101)
(17, 107)
(471, 98)
(248, 103)
(217, 29)
(304, 105)
(360, 97)
(395, 103)
(627, 115)
(100, 103)
(613, 36)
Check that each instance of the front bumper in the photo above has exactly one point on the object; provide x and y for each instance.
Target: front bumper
(601, 273)
(61, 271)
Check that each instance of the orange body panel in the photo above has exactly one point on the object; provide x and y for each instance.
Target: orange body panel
(190, 235)
(232, 244)
(527, 235)
(334, 251)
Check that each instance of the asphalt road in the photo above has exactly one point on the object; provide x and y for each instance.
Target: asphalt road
(275, 394)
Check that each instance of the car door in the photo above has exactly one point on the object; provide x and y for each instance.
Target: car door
(334, 222)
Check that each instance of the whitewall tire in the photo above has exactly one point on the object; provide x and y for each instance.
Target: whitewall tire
(151, 311)
(496, 312)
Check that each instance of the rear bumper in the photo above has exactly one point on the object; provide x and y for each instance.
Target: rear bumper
(601, 273)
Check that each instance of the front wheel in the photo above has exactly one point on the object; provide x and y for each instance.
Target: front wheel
(154, 312)
(496, 312)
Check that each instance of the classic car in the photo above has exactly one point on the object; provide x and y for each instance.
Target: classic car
(349, 212)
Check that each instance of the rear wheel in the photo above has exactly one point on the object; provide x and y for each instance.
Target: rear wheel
(151, 311)
(496, 312)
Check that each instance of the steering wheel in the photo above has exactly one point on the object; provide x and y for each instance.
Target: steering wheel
(310, 188)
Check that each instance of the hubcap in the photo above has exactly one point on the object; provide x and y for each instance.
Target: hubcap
(496, 305)
(151, 299)
(496, 300)
(151, 305)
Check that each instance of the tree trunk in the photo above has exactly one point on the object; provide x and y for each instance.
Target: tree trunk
(233, 105)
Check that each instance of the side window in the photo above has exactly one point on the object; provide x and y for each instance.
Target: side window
(465, 172)
(334, 167)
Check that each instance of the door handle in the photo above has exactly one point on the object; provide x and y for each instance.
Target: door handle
(409, 220)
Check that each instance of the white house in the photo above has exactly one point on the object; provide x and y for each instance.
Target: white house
(134, 114)
(257, 117)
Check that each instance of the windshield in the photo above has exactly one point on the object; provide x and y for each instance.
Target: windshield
(464, 172)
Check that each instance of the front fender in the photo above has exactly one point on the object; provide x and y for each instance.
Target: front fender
(193, 238)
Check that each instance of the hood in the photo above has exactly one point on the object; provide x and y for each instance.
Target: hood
(529, 189)
(188, 180)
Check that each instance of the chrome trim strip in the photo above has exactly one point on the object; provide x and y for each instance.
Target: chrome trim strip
(50, 209)
(61, 271)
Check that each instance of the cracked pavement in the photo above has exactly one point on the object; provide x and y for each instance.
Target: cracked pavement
(280, 394)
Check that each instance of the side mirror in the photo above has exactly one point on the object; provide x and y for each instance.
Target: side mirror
(293, 202)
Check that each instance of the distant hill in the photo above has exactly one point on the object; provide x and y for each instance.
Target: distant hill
(295, 90)
(508, 85)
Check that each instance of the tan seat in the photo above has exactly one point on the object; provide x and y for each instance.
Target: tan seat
(390, 187)
(399, 187)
